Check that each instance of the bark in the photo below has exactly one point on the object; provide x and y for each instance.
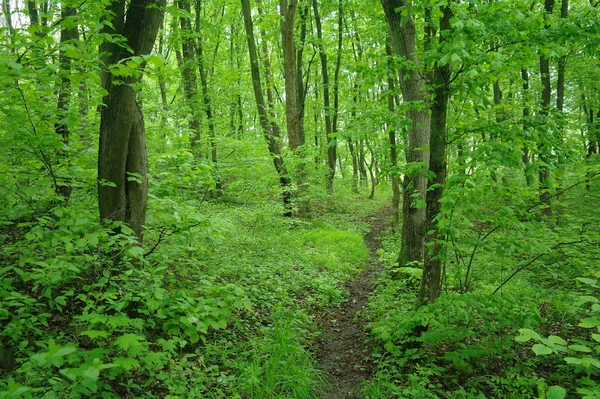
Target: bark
(351, 145)
(293, 99)
(122, 157)
(189, 76)
(372, 166)
(8, 17)
(336, 75)
(562, 64)
(393, 149)
(545, 186)
(529, 175)
(434, 240)
(266, 123)
(292, 113)
(362, 166)
(67, 36)
(300, 91)
(412, 85)
(206, 100)
(330, 139)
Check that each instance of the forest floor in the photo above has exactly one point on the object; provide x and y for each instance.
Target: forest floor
(343, 348)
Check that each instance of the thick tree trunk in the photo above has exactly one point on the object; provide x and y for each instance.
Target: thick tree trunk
(412, 84)
(122, 157)
(330, 139)
(432, 265)
(266, 123)
(293, 100)
(292, 112)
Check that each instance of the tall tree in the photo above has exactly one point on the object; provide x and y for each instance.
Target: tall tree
(391, 98)
(206, 96)
(265, 121)
(329, 137)
(187, 64)
(402, 31)
(432, 263)
(545, 186)
(68, 34)
(122, 157)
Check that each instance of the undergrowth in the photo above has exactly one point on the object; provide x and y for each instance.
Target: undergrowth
(492, 334)
(219, 303)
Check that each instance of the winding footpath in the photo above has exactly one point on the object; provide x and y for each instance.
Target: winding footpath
(344, 352)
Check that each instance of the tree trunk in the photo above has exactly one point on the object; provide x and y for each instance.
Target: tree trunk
(122, 157)
(562, 65)
(352, 149)
(206, 101)
(293, 82)
(288, 13)
(266, 123)
(61, 127)
(330, 139)
(188, 73)
(300, 91)
(432, 265)
(545, 186)
(336, 84)
(528, 169)
(392, 139)
(412, 85)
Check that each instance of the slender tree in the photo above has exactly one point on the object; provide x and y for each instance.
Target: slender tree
(545, 186)
(187, 64)
(67, 35)
(329, 137)
(265, 121)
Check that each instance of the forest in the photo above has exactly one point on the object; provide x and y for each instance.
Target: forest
(336, 199)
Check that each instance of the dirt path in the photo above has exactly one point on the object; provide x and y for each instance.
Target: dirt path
(343, 352)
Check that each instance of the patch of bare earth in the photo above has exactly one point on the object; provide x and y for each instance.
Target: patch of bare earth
(343, 349)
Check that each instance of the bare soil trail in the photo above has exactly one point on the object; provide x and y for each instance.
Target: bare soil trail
(344, 352)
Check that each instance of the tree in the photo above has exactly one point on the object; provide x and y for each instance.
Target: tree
(431, 283)
(67, 35)
(412, 85)
(187, 63)
(122, 157)
(265, 121)
(331, 140)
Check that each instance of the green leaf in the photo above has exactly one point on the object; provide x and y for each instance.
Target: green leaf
(589, 322)
(540, 349)
(587, 281)
(556, 392)
(95, 333)
(527, 334)
(573, 360)
(557, 340)
(15, 65)
(579, 348)
(592, 361)
(130, 342)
